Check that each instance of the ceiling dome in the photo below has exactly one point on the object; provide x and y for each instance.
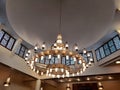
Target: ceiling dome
(83, 21)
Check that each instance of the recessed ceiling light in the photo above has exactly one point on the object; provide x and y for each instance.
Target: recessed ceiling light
(61, 80)
(109, 77)
(99, 77)
(69, 80)
(88, 78)
(78, 79)
(117, 62)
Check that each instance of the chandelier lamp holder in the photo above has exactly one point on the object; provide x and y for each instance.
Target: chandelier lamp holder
(60, 51)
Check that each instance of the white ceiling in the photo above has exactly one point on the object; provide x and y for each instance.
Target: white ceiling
(83, 21)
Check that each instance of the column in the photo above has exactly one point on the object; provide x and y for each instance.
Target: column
(94, 56)
(17, 44)
(38, 84)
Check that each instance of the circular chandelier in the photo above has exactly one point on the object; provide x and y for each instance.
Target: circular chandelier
(58, 52)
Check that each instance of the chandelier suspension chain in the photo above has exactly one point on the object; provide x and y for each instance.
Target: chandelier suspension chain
(60, 17)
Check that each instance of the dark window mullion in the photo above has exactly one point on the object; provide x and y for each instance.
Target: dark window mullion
(20, 50)
(109, 47)
(8, 42)
(13, 44)
(24, 53)
(99, 54)
(114, 45)
(105, 49)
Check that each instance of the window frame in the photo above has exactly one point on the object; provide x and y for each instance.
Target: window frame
(112, 39)
(23, 56)
(8, 41)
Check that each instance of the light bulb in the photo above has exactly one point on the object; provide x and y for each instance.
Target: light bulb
(8, 79)
(26, 58)
(74, 58)
(36, 48)
(41, 88)
(34, 69)
(80, 61)
(73, 74)
(58, 76)
(43, 45)
(31, 67)
(42, 73)
(63, 76)
(88, 78)
(49, 74)
(53, 76)
(90, 63)
(66, 45)
(47, 71)
(29, 51)
(99, 84)
(58, 56)
(50, 69)
(36, 59)
(84, 68)
(49, 56)
(83, 64)
(88, 54)
(68, 75)
(87, 66)
(37, 71)
(91, 59)
(76, 47)
(26, 54)
(28, 62)
(78, 73)
(32, 62)
(42, 57)
(56, 69)
(55, 45)
(84, 51)
(59, 41)
(78, 79)
(67, 57)
(62, 69)
(81, 71)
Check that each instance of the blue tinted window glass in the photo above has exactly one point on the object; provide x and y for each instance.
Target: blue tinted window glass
(10, 43)
(56, 60)
(52, 61)
(102, 52)
(112, 46)
(6, 37)
(63, 60)
(117, 42)
(47, 61)
(72, 61)
(23, 48)
(42, 61)
(4, 42)
(21, 53)
(67, 62)
(85, 58)
(1, 34)
(98, 55)
(106, 49)
(110, 43)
